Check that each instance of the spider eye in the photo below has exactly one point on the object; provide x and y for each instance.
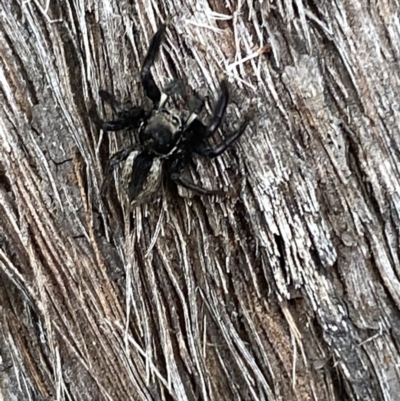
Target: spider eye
(175, 121)
(166, 112)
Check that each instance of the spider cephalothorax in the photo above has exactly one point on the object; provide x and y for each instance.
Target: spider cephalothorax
(161, 132)
(166, 139)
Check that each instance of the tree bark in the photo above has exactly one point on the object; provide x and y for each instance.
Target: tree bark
(287, 288)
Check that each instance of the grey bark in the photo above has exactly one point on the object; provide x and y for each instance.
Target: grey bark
(287, 288)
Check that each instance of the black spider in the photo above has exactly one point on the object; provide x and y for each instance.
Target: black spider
(165, 138)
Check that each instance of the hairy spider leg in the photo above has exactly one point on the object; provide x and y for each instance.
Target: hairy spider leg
(115, 159)
(176, 169)
(200, 131)
(204, 149)
(219, 110)
(111, 100)
(183, 182)
(195, 125)
(131, 118)
(150, 88)
(195, 106)
(197, 132)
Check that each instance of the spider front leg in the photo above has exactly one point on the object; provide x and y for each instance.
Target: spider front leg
(150, 88)
(195, 125)
(196, 105)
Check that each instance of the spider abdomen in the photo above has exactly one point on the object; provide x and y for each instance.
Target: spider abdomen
(141, 176)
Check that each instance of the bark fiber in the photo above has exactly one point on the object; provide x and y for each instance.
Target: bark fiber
(287, 288)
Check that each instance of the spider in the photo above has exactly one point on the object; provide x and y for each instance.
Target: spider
(166, 139)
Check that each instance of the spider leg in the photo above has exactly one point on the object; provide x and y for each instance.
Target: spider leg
(111, 100)
(150, 88)
(112, 162)
(174, 87)
(195, 106)
(219, 110)
(175, 171)
(131, 118)
(204, 149)
(183, 182)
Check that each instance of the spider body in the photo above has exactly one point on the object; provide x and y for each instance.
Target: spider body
(166, 139)
(161, 132)
(141, 187)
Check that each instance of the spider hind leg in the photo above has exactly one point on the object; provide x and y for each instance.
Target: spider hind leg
(175, 172)
(197, 189)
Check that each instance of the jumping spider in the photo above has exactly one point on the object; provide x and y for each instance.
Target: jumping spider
(166, 139)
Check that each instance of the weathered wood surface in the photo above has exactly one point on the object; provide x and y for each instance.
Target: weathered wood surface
(286, 290)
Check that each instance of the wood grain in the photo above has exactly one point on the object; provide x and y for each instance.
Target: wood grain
(287, 288)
